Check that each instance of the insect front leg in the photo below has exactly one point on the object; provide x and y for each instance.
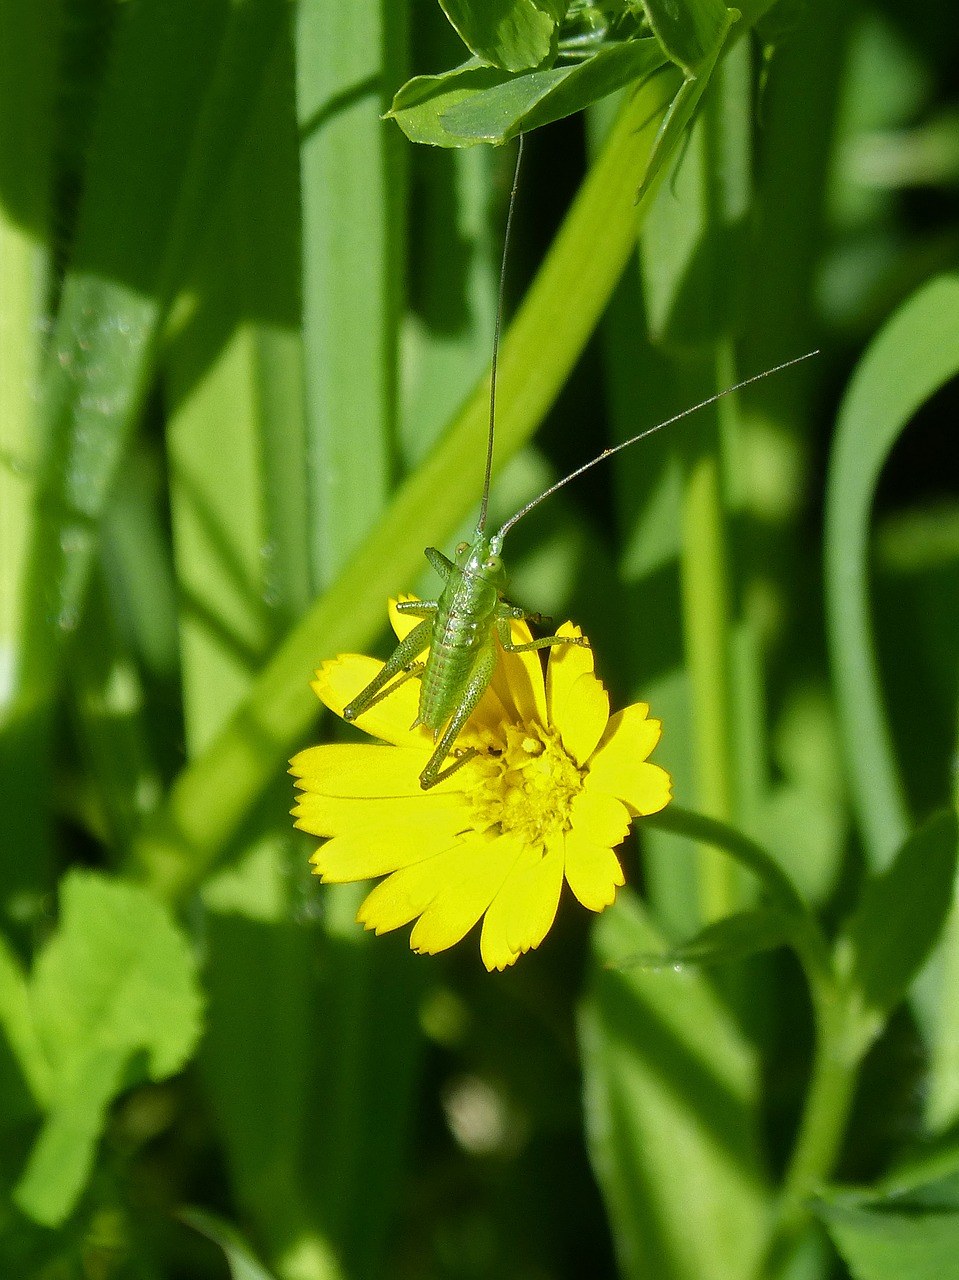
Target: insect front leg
(544, 642)
(478, 683)
(444, 567)
(400, 663)
(417, 608)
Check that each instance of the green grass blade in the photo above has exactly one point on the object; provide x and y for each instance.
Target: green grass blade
(176, 94)
(234, 376)
(352, 237)
(110, 723)
(28, 54)
(363, 1068)
(912, 357)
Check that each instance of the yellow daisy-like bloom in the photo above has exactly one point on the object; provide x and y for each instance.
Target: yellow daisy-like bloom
(550, 792)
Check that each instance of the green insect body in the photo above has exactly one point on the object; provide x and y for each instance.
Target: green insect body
(462, 627)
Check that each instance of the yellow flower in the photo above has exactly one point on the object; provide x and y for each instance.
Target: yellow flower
(549, 794)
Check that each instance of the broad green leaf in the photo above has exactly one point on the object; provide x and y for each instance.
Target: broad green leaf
(510, 34)
(115, 982)
(733, 938)
(671, 1121)
(879, 1244)
(690, 31)
(912, 357)
(902, 912)
(242, 1261)
(476, 103)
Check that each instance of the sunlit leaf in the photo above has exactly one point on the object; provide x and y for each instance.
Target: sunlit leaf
(114, 997)
(511, 34)
(476, 103)
(690, 31)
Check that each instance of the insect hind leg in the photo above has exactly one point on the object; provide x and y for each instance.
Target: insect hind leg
(401, 662)
(480, 677)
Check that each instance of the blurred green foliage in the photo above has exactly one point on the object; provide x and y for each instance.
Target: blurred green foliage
(244, 328)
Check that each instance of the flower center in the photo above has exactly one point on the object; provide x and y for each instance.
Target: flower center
(525, 784)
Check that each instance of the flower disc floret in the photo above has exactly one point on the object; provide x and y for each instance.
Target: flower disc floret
(526, 786)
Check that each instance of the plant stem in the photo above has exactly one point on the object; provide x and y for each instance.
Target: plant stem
(840, 1045)
(706, 627)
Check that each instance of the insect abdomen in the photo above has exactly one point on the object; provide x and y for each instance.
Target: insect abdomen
(456, 642)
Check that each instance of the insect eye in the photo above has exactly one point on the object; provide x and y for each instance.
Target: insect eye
(491, 562)
(462, 548)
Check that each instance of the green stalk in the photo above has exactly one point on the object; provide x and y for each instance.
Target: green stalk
(214, 793)
(707, 625)
(840, 1045)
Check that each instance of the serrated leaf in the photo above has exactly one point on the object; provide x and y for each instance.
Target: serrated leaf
(882, 1245)
(901, 913)
(733, 938)
(476, 103)
(513, 35)
(115, 982)
(690, 31)
(243, 1263)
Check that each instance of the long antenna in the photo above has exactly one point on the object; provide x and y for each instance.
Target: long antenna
(481, 522)
(617, 448)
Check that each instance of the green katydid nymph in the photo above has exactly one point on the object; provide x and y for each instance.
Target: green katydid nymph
(461, 629)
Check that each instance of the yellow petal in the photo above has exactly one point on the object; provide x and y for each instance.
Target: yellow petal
(338, 815)
(360, 769)
(567, 662)
(651, 790)
(599, 818)
(495, 951)
(518, 680)
(582, 717)
(340, 680)
(402, 896)
(630, 734)
(534, 898)
(461, 902)
(619, 767)
(495, 947)
(592, 871)
(376, 851)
